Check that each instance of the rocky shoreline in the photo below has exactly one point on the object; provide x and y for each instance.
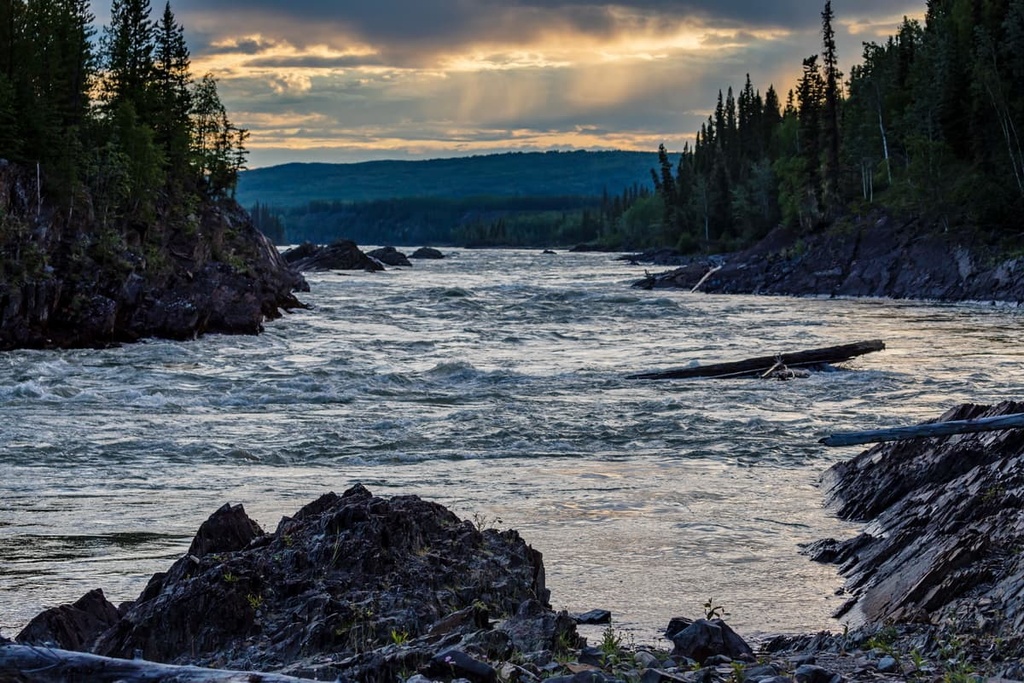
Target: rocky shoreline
(361, 588)
(871, 256)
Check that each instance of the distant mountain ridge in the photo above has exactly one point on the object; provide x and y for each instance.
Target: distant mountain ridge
(515, 174)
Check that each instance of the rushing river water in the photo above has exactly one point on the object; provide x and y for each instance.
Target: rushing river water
(492, 382)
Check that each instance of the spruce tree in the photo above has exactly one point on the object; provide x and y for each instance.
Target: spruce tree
(172, 80)
(811, 101)
(129, 47)
(830, 113)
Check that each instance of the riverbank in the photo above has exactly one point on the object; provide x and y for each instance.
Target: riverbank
(371, 589)
(868, 256)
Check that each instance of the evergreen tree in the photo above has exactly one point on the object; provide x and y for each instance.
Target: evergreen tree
(172, 82)
(771, 118)
(14, 85)
(811, 101)
(218, 147)
(129, 47)
(830, 111)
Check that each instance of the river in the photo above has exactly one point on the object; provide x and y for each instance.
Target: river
(492, 382)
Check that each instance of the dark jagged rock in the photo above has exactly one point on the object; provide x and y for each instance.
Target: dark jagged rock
(653, 675)
(594, 616)
(873, 256)
(584, 677)
(809, 673)
(427, 253)
(534, 628)
(340, 255)
(705, 638)
(67, 282)
(352, 585)
(458, 664)
(390, 256)
(71, 627)
(947, 514)
(227, 530)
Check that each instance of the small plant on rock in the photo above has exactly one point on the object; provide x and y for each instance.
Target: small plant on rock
(255, 601)
(611, 644)
(565, 646)
(482, 522)
(713, 611)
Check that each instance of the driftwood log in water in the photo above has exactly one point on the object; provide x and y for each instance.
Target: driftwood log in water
(924, 431)
(20, 663)
(756, 367)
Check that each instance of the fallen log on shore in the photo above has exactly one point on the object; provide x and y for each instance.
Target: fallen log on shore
(45, 665)
(924, 431)
(756, 367)
(704, 279)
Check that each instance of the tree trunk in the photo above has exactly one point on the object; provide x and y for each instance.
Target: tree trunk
(32, 664)
(924, 431)
(755, 367)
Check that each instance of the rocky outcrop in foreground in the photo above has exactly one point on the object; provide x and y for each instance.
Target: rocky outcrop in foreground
(66, 282)
(353, 586)
(869, 257)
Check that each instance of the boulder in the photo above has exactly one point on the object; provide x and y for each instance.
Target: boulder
(458, 664)
(594, 616)
(535, 628)
(705, 638)
(390, 256)
(71, 627)
(225, 531)
(339, 255)
(427, 253)
(809, 673)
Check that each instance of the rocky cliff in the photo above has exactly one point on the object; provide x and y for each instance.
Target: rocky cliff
(70, 279)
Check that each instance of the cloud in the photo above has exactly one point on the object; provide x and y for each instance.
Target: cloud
(441, 77)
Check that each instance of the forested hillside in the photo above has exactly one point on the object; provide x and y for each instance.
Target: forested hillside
(533, 174)
(926, 125)
(470, 221)
(516, 199)
(115, 189)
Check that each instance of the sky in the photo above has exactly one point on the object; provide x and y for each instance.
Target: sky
(355, 80)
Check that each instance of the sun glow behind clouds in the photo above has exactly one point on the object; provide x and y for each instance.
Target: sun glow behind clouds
(573, 92)
(528, 76)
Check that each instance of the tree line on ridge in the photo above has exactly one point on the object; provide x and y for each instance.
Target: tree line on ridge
(926, 125)
(120, 133)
